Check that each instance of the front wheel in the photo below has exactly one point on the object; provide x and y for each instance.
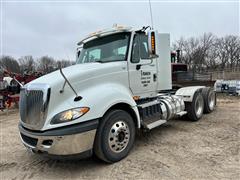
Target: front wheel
(115, 136)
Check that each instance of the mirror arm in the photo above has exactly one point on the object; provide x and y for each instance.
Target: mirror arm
(77, 98)
(14, 78)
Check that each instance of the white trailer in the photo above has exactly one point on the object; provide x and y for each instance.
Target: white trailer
(121, 83)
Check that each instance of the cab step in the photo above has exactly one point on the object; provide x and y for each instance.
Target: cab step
(150, 113)
(152, 124)
(181, 113)
(148, 104)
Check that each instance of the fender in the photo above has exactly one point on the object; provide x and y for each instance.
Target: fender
(108, 95)
(187, 93)
(99, 98)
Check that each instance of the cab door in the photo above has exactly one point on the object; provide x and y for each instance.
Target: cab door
(142, 69)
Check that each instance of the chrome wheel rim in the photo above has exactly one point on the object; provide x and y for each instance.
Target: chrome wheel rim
(199, 106)
(118, 137)
(211, 100)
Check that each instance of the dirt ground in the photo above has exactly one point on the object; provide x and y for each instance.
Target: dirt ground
(207, 149)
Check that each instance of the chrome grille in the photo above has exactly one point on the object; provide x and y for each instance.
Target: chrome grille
(33, 106)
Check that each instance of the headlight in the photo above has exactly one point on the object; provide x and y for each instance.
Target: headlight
(69, 115)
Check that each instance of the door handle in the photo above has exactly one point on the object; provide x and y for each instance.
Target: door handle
(138, 66)
(154, 77)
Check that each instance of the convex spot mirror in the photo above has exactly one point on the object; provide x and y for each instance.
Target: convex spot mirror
(152, 39)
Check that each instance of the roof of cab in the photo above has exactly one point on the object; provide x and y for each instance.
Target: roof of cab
(104, 32)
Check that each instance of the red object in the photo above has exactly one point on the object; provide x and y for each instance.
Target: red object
(12, 99)
(10, 95)
(176, 68)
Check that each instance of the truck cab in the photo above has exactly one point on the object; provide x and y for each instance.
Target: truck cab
(121, 83)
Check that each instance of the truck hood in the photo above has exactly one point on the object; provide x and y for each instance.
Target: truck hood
(81, 77)
(77, 73)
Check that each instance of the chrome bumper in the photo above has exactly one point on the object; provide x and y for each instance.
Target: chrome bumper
(65, 141)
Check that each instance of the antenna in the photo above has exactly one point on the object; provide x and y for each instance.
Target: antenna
(151, 13)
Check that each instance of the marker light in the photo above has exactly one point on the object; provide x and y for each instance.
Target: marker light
(153, 43)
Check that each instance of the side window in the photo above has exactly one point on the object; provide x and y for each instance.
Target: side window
(140, 48)
(84, 59)
(94, 55)
(122, 50)
(135, 50)
(144, 46)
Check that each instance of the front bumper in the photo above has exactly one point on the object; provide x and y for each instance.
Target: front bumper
(69, 140)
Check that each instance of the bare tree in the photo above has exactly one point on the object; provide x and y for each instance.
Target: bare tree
(205, 47)
(209, 52)
(212, 61)
(228, 51)
(65, 63)
(27, 63)
(10, 64)
(46, 64)
(190, 50)
(233, 43)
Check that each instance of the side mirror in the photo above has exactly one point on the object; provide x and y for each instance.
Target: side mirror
(78, 53)
(152, 38)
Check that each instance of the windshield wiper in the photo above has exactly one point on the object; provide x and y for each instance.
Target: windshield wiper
(101, 61)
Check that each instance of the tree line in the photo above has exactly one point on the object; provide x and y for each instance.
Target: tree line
(45, 64)
(209, 52)
(206, 52)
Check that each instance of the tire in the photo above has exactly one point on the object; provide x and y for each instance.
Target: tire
(115, 136)
(196, 107)
(209, 97)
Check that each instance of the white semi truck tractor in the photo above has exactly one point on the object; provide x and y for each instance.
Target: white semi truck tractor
(121, 83)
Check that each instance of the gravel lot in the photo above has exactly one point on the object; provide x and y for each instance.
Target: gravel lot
(208, 149)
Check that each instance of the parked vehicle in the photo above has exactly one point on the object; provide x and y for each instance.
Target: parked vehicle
(8, 91)
(227, 86)
(10, 86)
(121, 83)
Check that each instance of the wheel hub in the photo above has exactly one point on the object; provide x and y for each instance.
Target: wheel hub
(211, 98)
(121, 136)
(118, 137)
(199, 106)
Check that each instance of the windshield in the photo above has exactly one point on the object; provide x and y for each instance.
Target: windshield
(105, 49)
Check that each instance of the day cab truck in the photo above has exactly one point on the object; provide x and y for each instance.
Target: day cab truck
(121, 83)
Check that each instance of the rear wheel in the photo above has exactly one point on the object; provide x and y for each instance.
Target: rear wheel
(115, 136)
(209, 97)
(196, 107)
